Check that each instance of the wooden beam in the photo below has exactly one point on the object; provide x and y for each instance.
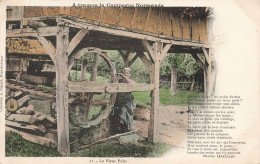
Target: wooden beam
(206, 55)
(198, 60)
(144, 59)
(164, 51)
(84, 24)
(33, 32)
(105, 87)
(133, 60)
(47, 46)
(76, 40)
(62, 90)
(149, 50)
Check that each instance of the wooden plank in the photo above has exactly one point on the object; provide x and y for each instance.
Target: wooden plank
(203, 30)
(152, 21)
(48, 47)
(76, 40)
(139, 18)
(186, 28)
(61, 92)
(125, 18)
(20, 126)
(22, 118)
(110, 15)
(75, 11)
(33, 92)
(149, 49)
(33, 138)
(176, 26)
(148, 18)
(166, 26)
(21, 35)
(195, 29)
(90, 13)
(105, 87)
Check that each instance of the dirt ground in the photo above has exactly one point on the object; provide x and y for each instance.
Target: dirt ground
(173, 123)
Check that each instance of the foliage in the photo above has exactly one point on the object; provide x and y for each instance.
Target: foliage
(187, 69)
(15, 145)
(114, 149)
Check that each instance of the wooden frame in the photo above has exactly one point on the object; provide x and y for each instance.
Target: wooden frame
(64, 56)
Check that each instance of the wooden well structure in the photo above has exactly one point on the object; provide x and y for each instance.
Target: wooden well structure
(65, 32)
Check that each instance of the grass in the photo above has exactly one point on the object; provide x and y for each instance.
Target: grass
(16, 146)
(114, 149)
(167, 97)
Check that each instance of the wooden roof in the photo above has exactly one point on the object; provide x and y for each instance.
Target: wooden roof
(187, 24)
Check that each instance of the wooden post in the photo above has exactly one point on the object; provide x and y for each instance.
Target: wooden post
(62, 89)
(173, 81)
(209, 74)
(207, 71)
(83, 70)
(155, 77)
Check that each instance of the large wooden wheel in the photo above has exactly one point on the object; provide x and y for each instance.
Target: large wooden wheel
(82, 104)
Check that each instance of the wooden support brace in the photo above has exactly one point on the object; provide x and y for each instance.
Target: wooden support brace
(144, 59)
(133, 60)
(198, 60)
(148, 48)
(164, 51)
(206, 55)
(47, 46)
(76, 40)
(62, 90)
